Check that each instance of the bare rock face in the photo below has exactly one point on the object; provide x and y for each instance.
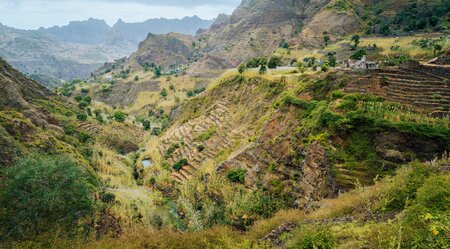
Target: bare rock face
(316, 180)
(164, 50)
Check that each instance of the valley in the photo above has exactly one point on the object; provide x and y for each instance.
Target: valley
(301, 124)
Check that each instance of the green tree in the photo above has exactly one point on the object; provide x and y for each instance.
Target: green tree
(358, 54)
(42, 195)
(157, 71)
(326, 39)
(236, 175)
(120, 116)
(356, 40)
(163, 93)
(437, 48)
(136, 78)
(331, 59)
(263, 70)
(241, 68)
(81, 116)
(274, 62)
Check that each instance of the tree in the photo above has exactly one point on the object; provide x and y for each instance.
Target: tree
(301, 67)
(326, 39)
(358, 54)
(253, 63)
(241, 68)
(437, 48)
(325, 67)
(310, 61)
(44, 195)
(157, 71)
(331, 59)
(163, 93)
(120, 116)
(263, 70)
(236, 175)
(136, 78)
(81, 116)
(356, 40)
(146, 124)
(274, 62)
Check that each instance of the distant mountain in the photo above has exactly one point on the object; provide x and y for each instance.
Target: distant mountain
(79, 48)
(94, 31)
(33, 52)
(137, 32)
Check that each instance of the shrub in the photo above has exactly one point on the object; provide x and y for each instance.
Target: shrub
(426, 221)
(190, 94)
(200, 147)
(120, 116)
(358, 54)
(83, 137)
(236, 175)
(83, 104)
(241, 68)
(163, 93)
(146, 124)
(136, 78)
(315, 238)
(274, 62)
(69, 130)
(180, 164)
(43, 195)
(262, 70)
(81, 116)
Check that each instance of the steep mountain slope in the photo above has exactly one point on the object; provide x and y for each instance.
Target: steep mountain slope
(168, 51)
(25, 124)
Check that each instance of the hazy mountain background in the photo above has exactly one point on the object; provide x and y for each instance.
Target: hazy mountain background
(79, 48)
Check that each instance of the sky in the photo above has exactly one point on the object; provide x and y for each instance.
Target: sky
(32, 14)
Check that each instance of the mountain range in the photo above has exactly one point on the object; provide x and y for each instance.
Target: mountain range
(76, 50)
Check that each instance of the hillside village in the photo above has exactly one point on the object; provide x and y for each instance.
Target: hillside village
(310, 124)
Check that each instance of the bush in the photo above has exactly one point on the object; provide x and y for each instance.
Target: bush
(236, 175)
(426, 221)
(83, 104)
(200, 148)
(178, 165)
(69, 130)
(274, 62)
(136, 78)
(315, 238)
(241, 68)
(81, 116)
(43, 195)
(358, 54)
(163, 93)
(83, 137)
(120, 116)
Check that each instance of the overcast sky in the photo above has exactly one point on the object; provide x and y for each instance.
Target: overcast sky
(32, 14)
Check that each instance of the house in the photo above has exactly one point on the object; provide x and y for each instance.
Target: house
(363, 64)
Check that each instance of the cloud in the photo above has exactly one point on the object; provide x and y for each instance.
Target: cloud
(32, 14)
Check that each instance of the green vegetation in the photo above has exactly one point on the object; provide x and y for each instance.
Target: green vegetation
(236, 175)
(206, 134)
(180, 164)
(43, 195)
(120, 116)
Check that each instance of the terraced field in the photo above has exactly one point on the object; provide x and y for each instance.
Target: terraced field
(220, 129)
(421, 88)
